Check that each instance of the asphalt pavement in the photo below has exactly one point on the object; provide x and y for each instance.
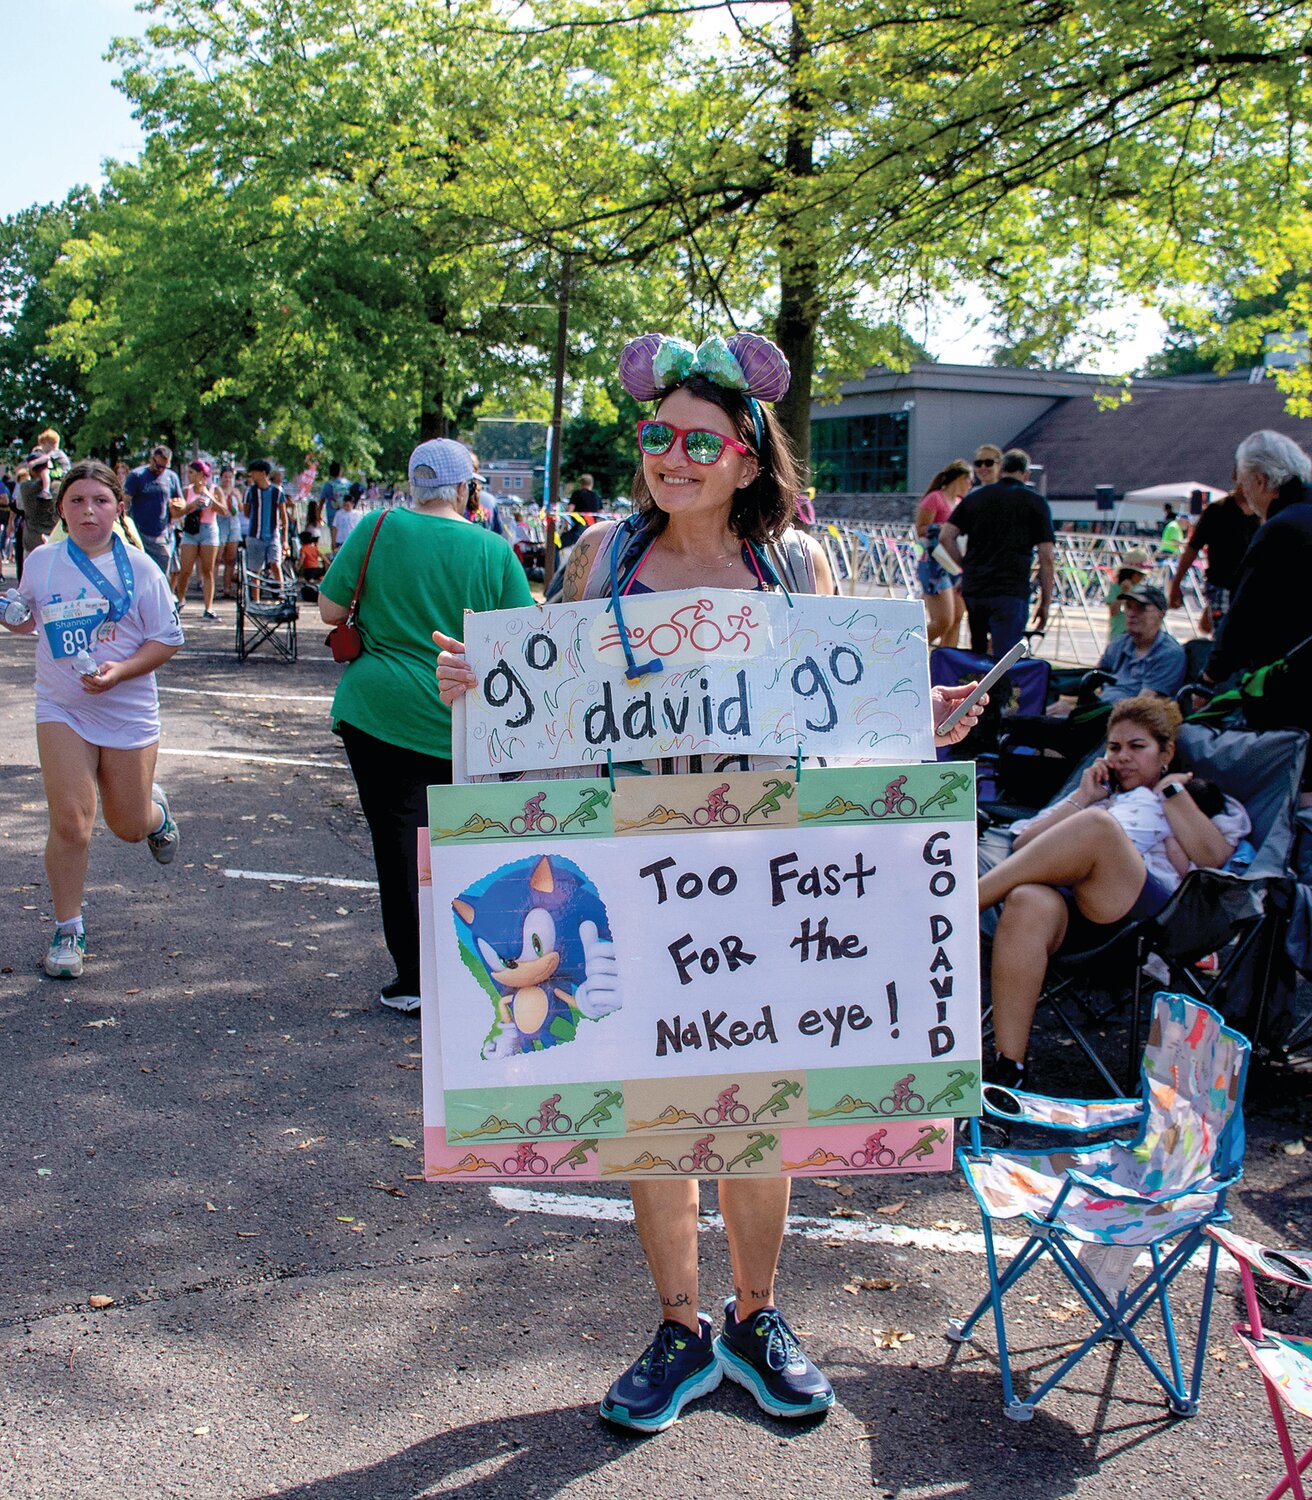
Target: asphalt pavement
(217, 1130)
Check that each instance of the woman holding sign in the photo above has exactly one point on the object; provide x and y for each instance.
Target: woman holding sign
(104, 620)
(714, 500)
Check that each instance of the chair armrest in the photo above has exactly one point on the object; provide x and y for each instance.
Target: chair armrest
(1078, 1116)
(1107, 1189)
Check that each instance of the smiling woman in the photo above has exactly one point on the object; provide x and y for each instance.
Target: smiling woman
(715, 495)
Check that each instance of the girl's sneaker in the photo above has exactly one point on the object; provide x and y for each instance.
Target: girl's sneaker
(65, 956)
(164, 843)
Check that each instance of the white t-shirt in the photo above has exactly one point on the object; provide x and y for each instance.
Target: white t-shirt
(1141, 814)
(73, 615)
(344, 523)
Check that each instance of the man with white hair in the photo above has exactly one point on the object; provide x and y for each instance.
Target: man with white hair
(1267, 616)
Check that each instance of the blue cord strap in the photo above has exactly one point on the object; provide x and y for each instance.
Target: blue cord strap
(633, 672)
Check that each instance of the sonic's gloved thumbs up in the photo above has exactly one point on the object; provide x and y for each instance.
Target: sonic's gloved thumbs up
(598, 995)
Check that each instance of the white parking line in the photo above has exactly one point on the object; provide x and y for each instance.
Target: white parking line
(619, 1210)
(851, 1231)
(282, 879)
(290, 700)
(256, 755)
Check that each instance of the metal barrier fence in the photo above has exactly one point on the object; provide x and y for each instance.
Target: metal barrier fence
(879, 561)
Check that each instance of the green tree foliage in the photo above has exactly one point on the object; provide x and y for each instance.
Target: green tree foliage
(38, 388)
(352, 216)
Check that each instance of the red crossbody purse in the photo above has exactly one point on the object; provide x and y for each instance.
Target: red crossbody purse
(344, 640)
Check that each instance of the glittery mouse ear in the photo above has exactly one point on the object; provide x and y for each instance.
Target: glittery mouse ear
(764, 364)
(637, 375)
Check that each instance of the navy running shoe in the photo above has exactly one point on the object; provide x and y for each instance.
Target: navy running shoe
(762, 1354)
(674, 1369)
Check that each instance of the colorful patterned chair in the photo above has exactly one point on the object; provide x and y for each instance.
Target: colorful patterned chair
(1283, 1360)
(1101, 1211)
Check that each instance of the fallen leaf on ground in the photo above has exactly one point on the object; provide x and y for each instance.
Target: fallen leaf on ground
(96, 1025)
(99, 1301)
(829, 1182)
(249, 1234)
(839, 1212)
(869, 1284)
(342, 912)
(891, 1338)
(1293, 1148)
(346, 1218)
(387, 1187)
(200, 1432)
(313, 1140)
(210, 1208)
(300, 1416)
(953, 1226)
(131, 992)
(403, 1141)
(889, 1209)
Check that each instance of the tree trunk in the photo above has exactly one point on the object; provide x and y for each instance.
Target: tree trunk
(795, 326)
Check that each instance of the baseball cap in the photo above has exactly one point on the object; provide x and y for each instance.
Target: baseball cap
(1146, 593)
(1138, 559)
(438, 462)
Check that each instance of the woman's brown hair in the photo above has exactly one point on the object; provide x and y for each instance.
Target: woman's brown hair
(957, 469)
(763, 510)
(1159, 716)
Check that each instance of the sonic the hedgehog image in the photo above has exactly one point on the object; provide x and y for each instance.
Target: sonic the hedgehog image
(536, 935)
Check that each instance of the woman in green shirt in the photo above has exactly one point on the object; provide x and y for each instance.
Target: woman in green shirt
(428, 566)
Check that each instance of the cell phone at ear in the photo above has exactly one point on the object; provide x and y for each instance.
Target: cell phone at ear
(1017, 653)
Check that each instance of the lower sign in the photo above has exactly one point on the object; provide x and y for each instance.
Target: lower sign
(789, 985)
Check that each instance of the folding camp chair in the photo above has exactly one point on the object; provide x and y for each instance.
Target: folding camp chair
(272, 617)
(1097, 1210)
(1026, 692)
(1284, 1361)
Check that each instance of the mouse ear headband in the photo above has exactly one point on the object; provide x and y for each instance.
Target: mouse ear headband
(654, 364)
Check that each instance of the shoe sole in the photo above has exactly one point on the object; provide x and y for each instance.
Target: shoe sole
(690, 1390)
(742, 1372)
(64, 973)
(164, 854)
(406, 1004)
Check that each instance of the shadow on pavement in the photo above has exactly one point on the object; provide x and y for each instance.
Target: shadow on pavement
(539, 1453)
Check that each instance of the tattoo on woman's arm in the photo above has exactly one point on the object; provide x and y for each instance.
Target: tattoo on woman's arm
(576, 572)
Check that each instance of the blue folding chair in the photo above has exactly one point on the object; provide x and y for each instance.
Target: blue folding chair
(1098, 1210)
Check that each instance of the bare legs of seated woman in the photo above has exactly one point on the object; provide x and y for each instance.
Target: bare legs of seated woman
(1091, 856)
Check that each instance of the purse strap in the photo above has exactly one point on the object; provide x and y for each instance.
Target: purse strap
(364, 568)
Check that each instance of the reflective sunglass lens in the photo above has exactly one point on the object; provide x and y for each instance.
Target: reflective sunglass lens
(703, 447)
(656, 437)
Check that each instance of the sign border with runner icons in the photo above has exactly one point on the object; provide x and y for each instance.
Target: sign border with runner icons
(867, 1115)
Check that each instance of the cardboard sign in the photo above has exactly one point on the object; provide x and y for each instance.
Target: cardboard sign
(790, 985)
(730, 673)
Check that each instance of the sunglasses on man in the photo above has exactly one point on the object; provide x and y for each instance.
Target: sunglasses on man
(701, 446)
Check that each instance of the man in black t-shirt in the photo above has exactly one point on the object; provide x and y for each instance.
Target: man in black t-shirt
(1225, 529)
(1004, 523)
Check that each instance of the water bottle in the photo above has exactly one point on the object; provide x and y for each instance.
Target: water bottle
(86, 664)
(15, 611)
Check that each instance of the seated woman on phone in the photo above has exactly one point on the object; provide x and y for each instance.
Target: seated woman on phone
(1110, 854)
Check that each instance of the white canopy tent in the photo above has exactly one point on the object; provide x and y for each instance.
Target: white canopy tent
(1177, 494)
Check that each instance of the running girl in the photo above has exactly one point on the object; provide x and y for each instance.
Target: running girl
(104, 620)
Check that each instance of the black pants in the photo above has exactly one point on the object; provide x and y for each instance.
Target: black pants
(393, 784)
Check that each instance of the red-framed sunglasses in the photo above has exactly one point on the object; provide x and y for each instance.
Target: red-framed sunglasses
(701, 446)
